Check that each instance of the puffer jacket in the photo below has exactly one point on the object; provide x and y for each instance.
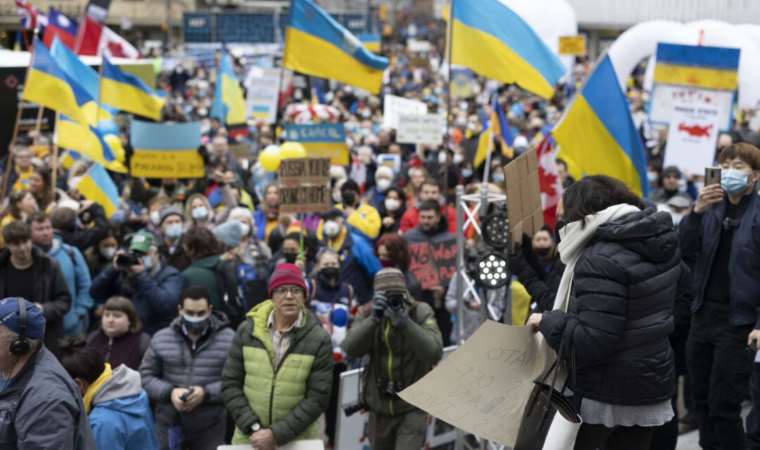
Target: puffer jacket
(621, 311)
(398, 356)
(172, 360)
(77, 276)
(288, 398)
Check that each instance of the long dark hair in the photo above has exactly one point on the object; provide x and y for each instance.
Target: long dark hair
(593, 194)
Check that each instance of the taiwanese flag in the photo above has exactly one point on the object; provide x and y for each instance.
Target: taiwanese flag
(62, 27)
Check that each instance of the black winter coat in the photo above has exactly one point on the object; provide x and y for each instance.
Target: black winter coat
(620, 312)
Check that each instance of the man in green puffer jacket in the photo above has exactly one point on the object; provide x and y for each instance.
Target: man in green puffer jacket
(278, 376)
(404, 342)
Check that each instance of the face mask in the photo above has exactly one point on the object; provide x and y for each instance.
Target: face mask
(147, 262)
(458, 158)
(174, 230)
(331, 228)
(329, 275)
(442, 157)
(108, 252)
(200, 213)
(467, 173)
(245, 229)
(383, 184)
(155, 217)
(392, 204)
(734, 181)
(349, 197)
(195, 325)
(498, 177)
(290, 257)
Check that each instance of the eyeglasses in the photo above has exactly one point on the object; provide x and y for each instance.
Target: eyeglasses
(282, 291)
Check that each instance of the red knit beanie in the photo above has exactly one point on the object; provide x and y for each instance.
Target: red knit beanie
(286, 274)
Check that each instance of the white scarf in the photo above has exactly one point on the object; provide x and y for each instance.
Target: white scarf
(573, 239)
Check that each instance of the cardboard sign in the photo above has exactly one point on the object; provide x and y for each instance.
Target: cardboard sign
(305, 185)
(483, 387)
(524, 208)
(397, 106)
(421, 129)
(296, 172)
(262, 87)
(572, 45)
(433, 264)
(162, 164)
(692, 136)
(302, 199)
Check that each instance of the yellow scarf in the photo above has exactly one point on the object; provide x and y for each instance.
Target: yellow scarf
(95, 387)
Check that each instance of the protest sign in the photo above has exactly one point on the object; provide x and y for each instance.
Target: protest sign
(523, 196)
(324, 140)
(166, 150)
(262, 86)
(304, 185)
(483, 387)
(433, 263)
(667, 100)
(692, 136)
(572, 45)
(393, 107)
(389, 160)
(420, 128)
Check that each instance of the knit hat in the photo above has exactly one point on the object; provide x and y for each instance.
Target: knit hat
(230, 233)
(35, 321)
(170, 211)
(141, 242)
(390, 280)
(286, 275)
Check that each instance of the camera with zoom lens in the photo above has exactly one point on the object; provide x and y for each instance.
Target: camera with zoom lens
(126, 260)
(395, 300)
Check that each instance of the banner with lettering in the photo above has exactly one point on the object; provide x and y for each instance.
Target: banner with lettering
(433, 262)
(324, 140)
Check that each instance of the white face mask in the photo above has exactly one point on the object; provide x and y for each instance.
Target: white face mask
(337, 198)
(108, 252)
(392, 204)
(155, 217)
(458, 158)
(331, 228)
(245, 229)
(442, 157)
(200, 213)
(383, 184)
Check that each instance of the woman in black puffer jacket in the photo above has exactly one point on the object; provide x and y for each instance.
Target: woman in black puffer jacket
(614, 310)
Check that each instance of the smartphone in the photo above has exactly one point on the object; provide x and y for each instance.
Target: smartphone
(712, 175)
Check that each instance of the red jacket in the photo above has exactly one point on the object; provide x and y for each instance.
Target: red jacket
(411, 218)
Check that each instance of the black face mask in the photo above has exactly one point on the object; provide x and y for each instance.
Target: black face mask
(195, 327)
(543, 252)
(349, 198)
(560, 224)
(329, 276)
(290, 258)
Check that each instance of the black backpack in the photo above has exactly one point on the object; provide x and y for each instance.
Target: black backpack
(231, 293)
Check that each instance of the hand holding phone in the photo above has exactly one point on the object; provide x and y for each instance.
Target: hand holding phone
(711, 193)
(712, 175)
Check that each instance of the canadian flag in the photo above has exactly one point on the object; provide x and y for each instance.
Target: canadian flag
(548, 180)
(114, 45)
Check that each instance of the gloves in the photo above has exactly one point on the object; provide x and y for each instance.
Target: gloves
(398, 316)
(379, 306)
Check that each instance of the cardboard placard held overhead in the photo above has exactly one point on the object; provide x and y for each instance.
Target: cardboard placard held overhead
(524, 209)
(305, 185)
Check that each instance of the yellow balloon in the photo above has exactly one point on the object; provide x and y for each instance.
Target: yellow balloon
(270, 158)
(292, 150)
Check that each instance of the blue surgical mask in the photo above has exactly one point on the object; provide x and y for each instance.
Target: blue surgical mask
(200, 213)
(174, 230)
(734, 181)
(147, 262)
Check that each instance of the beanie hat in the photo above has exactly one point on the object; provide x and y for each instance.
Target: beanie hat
(390, 280)
(286, 274)
(230, 233)
(170, 211)
(239, 212)
(9, 318)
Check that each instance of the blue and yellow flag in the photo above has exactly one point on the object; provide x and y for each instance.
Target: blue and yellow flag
(701, 67)
(324, 140)
(90, 142)
(597, 132)
(96, 185)
(166, 150)
(496, 126)
(492, 40)
(48, 85)
(316, 44)
(127, 92)
(371, 41)
(229, 102)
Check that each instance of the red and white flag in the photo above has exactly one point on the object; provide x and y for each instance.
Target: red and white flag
(548, 180)
(114, 45)
(88, 39)
(31, 18)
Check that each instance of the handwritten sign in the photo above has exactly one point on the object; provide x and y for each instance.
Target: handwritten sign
(433, 264)
(164, 163)
(394, 107)
(483, 387)
(572, 45)
(420, 128)
(304, 185)
(305, 170)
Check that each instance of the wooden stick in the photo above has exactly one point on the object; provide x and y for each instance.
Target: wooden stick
(54, 162)
(9, 162)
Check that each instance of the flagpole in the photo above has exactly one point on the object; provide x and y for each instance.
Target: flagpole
(54, 162)
(447, 136)
(100, 88)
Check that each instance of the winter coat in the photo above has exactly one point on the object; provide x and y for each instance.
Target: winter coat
(49, 290)
(700, 236)
(542, 284)
(411, 218)
(127, 349)
(620, 312)
(120, 417)
(155, 293)
(42, 409)
(358, 263)
(172, 360)
(441, 238)
(288, 398)
(88, 236)
(203, 272)
(398, 357)
(76, 273)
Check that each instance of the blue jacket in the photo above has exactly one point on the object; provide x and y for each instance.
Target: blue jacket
(121, 417)
(358, 264)
(155, 295)
(700, 236)
(77, 276)
(260, 219)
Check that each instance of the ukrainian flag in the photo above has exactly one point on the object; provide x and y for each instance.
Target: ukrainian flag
(91, 143)
(229, 102)
(495, 126)
(316, 44)
(598, 134)
(371, 42)
(492, 40)
(48, 85)
(96, 185)
(702, 67)
(166, 150)
(127, 92)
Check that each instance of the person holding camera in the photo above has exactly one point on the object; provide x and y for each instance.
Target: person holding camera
(139, 274)
(403, 342)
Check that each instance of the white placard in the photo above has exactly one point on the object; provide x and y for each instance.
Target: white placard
(666, 99)
(262, 87)
(692, 136)
(313, 444)
(420, 129)
(396, 106)
(416, 46)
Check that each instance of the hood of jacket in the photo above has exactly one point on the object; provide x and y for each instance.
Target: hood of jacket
(124, 383)
(208, 262)
(649, 233)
